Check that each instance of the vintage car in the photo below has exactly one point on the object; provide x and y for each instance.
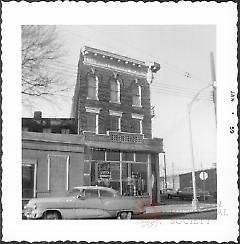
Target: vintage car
(169, 193)
(86, 202)
(187, 193)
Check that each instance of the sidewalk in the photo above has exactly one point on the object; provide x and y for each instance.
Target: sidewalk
(181, 208)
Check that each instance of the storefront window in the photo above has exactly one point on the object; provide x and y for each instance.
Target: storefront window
(134, 179)
(141, 157)
(127, 156)
(27, 181)
(98, 155)
(113, 156)
(130, 181)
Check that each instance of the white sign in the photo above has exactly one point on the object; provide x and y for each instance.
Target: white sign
(203, 175)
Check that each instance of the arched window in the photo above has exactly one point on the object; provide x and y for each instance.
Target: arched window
(92, 87)
(115, 91)
(137, 93)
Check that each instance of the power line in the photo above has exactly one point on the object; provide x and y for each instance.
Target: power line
(176, 70)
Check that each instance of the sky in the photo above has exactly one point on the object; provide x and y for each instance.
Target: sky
(184, 55)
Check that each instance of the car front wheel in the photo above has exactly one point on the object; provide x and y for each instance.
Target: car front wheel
(51, 215)
(124, 215)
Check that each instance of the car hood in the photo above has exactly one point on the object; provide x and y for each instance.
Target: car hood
(50, 200)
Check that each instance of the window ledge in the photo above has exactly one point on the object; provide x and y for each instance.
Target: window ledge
(115, 102)
(136, 106)
(91, 98)
(88, 131)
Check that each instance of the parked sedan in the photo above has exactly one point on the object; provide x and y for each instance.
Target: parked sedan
(169, 193)
(86, 202)
(187, 193)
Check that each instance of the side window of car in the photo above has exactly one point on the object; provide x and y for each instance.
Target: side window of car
(91, 193)
(106, 193)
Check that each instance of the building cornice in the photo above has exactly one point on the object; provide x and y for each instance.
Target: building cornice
(117, 63)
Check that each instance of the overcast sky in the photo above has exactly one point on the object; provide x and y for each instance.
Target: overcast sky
(184, 55)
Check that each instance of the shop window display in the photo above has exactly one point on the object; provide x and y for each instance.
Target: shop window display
(131, 181)
(134, 180)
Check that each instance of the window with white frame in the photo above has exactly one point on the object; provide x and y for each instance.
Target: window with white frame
(115, 91)
(28, 179)
(137, 95)
(137, 126)
(92, 87)
(92, 119)
(115, 120)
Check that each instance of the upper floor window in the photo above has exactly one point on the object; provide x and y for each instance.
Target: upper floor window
(114, 123)
(137, 126)
(115, 120)
(137, 95)
(91, 122)
(115, 91)
(92, 119)
(92, 87)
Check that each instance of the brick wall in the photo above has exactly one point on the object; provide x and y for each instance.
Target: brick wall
(105, 105)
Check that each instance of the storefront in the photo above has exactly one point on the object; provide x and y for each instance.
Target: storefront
(128, 172)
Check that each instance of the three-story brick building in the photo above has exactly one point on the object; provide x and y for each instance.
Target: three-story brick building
(112, 107)
(108, 139)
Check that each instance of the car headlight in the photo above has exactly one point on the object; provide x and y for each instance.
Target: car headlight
(34, 206)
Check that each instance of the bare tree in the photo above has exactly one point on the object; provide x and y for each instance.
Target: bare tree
(41, 50)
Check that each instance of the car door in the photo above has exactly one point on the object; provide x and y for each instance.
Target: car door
(88, 204)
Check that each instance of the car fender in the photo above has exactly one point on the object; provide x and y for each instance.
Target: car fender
(53, 209)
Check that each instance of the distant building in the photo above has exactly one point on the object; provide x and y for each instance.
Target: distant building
(111, 113)
(209, 183)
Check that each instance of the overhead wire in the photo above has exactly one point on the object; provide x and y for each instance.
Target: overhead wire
(176, 70)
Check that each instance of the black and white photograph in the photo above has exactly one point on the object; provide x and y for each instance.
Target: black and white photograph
(128, 125)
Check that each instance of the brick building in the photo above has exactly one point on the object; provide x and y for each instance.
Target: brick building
(108, 139)
(112, 107)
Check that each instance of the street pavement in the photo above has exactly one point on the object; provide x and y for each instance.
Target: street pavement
(207, 215)
(181, 209)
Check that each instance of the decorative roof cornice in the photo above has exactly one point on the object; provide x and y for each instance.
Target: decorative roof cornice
(119, 63)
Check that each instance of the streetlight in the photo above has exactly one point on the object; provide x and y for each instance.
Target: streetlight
(195, 200)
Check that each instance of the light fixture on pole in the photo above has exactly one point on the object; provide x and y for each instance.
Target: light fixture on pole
(195, 200)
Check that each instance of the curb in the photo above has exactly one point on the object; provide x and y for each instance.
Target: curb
(181, 212)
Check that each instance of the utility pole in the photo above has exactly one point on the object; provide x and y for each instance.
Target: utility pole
(214, 84)
(165, 171)
(173, 174)
(195, 200)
